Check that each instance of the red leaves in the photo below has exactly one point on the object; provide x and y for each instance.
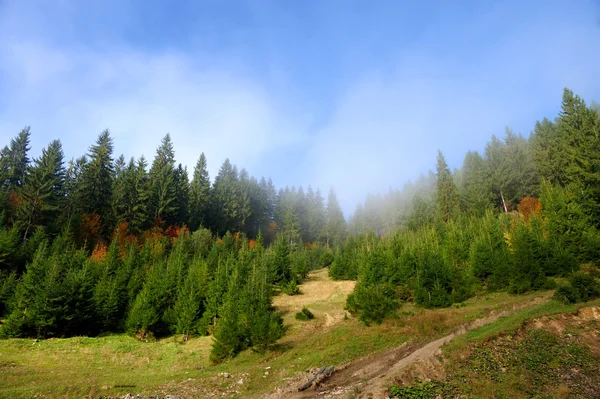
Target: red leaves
(529, 206)
(91, 225)
(100, 252)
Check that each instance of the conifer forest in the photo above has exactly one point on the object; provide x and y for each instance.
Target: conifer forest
(101, 244)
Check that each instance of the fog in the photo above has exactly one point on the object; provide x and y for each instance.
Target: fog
(357, 126)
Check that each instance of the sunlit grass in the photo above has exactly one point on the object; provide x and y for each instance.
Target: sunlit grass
(118, 364)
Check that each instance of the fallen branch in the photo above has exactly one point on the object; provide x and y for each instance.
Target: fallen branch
(323, 372)
(310, 382)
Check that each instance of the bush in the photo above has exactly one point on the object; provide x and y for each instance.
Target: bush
(305, 314)
(327, 258)
(372, 303)
(581, 287)
(291, 288)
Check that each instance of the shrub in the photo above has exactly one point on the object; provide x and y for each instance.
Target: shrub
(305, 314)
(291, 288)
(327, 258)
(581, 287)
(372, 303)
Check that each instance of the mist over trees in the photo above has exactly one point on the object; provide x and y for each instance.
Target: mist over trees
(101, 244)
(524, 210)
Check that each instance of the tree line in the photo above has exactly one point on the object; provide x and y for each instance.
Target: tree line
(104, 245)
(92, 194)
(525, 210)
(101, 244)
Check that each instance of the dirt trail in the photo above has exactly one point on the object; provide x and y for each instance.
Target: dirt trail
(370, 377)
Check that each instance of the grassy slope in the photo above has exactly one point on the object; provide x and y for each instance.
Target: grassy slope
(117, 364)
(545, 351)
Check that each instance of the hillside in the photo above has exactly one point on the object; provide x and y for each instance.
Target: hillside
(367, 359)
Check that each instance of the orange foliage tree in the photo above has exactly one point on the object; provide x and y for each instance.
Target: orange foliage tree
(123, 237)
(529, 206)
(100, 252)
(91, 225)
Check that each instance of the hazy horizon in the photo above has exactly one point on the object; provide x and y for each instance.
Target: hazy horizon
(350, 95)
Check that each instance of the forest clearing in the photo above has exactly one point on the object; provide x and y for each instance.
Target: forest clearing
(115, 365)
(299, 199)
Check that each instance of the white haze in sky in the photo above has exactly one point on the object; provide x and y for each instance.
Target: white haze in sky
(381, 130)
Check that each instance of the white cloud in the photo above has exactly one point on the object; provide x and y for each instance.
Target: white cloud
(385, 127)
(140, 97)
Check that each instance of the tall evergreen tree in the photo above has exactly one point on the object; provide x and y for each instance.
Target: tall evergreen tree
(163, 183)
(182, 194)
(43, 195)
(522, 178)
(14, 161)
(448, 200)
(334, 229)
(225, 199)
(141, 197)
(96, 183)
(497, 172)
(474, 188)
(546, 149)
(199, 195)
(579, 128)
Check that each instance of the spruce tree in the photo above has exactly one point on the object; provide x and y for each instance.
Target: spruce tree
(228, 336)
(315, 214)
(43, 194)
(448, 200)
(163, 183)
(190, 299)
(96, 183)
(199, 195)
(334, 229)
(226, 200)
(141, 196)
(474, 189)
(547, 152)
(182, 193)
(14, 161)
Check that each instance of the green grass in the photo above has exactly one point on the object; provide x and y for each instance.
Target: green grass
(514, 321)
(81, 367)
(511, 359)
(533, 362)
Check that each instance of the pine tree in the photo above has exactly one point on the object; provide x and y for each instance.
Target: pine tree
(546, 149)
(447, 194)
(228, 336)
(225, 199)
(579, 128)
(190, 299)
(141, 196)
(96, 183)
(14, 161)
(43, 194)
(71, 214)
(334, 229)
(199, 195)
(474, 189)
(182, 193)
(315, 214)
(522, 178)
(244, 196)
(497, 172)
(266, 324)
(163, 183)
(122, 190)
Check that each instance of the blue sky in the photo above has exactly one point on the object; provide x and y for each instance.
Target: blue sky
(357, 95)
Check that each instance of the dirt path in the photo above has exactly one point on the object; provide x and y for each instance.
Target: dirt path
(370, 377)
